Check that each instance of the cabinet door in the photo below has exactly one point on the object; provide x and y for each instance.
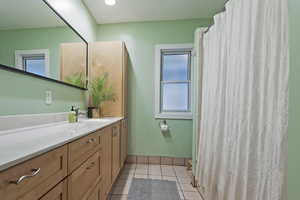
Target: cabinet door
(59, 192)
(83, 179)
(106, 139)
(124, 136)
(115, 152)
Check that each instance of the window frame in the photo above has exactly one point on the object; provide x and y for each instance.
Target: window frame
(175, 49)
(20, 54)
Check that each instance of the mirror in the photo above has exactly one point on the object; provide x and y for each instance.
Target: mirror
(35, 41)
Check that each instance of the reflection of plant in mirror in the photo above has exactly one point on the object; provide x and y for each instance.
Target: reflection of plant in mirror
(77, 79)
(100, 92)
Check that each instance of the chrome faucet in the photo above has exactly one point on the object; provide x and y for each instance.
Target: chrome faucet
(77, 113)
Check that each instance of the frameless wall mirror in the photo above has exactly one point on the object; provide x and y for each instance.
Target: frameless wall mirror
(35, 40)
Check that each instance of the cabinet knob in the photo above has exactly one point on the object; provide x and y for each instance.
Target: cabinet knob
(91, 166)
(90, 141)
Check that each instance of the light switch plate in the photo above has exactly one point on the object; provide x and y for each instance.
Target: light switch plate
(48, 99)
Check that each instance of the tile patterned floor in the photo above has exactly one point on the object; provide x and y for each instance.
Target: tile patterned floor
(178, 174)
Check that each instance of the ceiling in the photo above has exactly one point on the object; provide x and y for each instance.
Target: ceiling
(152, 10)
(18, 14)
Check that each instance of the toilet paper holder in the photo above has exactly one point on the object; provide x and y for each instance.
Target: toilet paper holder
(164, 127)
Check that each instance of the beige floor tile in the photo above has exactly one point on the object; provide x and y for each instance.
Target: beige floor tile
(154, 160)
(118, 197)
(141, 171)
(140, 176)
(168, 173)
(184, 180)
(182, 174)
(178, 161)
(188, 188)
(170, 178)
(141, 166)
(155, 172)
(142, 159)
(167, 167)
(154, 167)
(166, 161)
(155, 177)
(192, 196)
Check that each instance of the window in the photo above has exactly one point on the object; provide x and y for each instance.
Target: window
(33, 61)
(173, 81)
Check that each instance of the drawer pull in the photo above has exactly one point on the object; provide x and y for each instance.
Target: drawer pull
(34, 173)
(90, 141)
(91, 166)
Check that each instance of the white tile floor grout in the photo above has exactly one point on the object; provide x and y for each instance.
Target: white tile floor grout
(159, 172)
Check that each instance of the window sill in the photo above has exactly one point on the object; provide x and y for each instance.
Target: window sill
(187, 116)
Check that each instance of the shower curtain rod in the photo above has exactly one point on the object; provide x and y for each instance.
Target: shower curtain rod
(224, 9)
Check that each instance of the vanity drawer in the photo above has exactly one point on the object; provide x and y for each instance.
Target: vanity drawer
(57, 193)
(96, 193)
(83, 179)
(81, 149)
(32, 179)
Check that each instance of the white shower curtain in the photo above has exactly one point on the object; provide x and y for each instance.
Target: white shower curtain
(243, 128)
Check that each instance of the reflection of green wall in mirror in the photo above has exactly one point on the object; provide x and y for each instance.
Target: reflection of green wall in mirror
(41, 38)
(76, 13)
(21, 94)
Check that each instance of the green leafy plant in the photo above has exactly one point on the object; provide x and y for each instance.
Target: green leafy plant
(77, 79)
(100, 92)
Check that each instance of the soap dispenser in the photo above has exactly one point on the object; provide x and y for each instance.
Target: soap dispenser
(72, 115)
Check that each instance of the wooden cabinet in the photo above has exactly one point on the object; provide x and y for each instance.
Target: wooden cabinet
(42, 172)
(59, 192)
(94, 162)
(124, 141)
(116, 139)
(81, 149)
(111, 58)
(72, 60)
(106, 138)
(84, 178)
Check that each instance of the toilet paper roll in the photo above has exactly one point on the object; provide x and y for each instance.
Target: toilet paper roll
(164, 127)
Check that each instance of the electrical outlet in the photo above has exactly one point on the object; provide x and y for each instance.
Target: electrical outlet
(48, 99)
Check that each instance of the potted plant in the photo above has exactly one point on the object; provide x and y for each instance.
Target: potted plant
(77, 79)
(100, 92)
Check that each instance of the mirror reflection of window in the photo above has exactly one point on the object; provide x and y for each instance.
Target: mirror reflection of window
(34, 64)
(35, 61)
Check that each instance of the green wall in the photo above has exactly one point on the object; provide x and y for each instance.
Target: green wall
(22, 94)
(140, 39)
(41, 38)
(294, 107)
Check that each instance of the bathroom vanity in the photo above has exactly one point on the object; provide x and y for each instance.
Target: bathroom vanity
(62, 161)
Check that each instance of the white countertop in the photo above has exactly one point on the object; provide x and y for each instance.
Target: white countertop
(19, 145)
